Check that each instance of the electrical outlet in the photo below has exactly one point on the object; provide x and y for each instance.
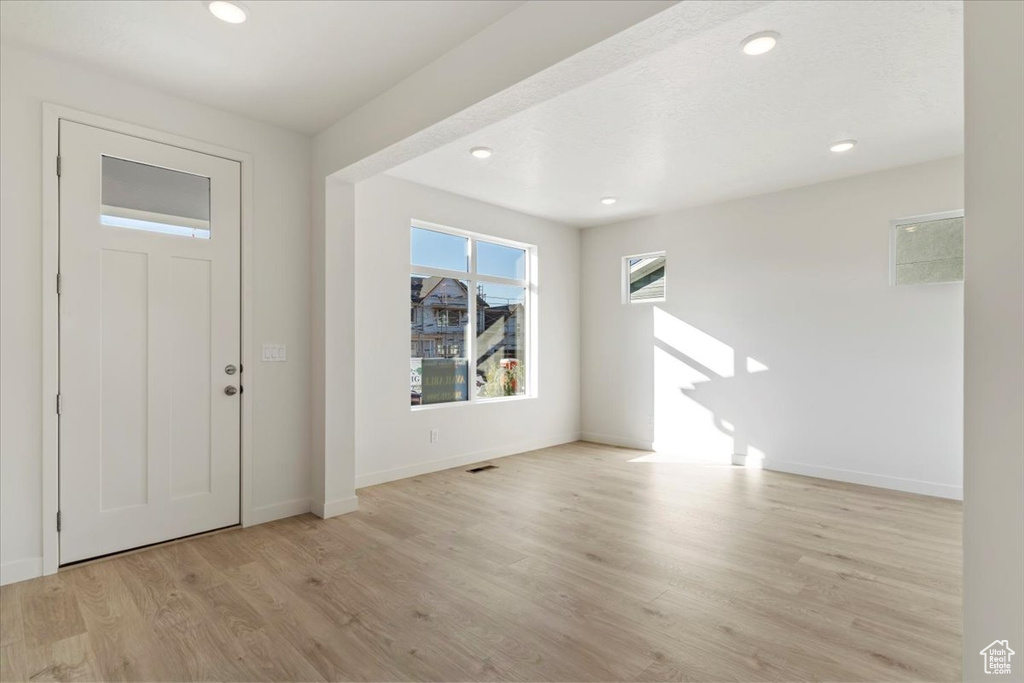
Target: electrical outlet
(434, 435)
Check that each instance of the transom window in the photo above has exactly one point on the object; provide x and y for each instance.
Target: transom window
(153, 199)
(470, 317)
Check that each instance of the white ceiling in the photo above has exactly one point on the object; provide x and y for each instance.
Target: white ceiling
(701, 121)
(297, 64)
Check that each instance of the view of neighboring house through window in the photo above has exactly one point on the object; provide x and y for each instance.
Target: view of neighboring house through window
(469, 300)
(644, 278)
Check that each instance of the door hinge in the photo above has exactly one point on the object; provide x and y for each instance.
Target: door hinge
(58, 166)
(58, 520)
(58, 284)
(58, 404)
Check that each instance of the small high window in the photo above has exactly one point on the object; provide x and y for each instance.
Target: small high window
(927, 249)
(643, 278)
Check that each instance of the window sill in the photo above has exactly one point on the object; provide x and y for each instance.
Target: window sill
(478, 402)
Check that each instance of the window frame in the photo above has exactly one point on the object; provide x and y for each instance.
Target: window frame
(473, 278)
(894, 227)
(626, 299)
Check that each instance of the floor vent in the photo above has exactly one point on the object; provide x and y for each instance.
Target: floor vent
(482, 468)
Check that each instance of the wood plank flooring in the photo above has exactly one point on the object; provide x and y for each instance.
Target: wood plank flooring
(572, 563)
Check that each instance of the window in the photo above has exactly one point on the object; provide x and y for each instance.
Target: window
(643, 278)
(927, 249)
(153, 199)
(470, 300)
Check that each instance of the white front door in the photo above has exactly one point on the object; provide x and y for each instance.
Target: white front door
(149, 325)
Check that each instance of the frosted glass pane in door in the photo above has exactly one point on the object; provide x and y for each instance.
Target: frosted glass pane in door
(144, 197)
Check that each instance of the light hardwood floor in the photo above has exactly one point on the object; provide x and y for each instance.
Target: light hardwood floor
(571, 563)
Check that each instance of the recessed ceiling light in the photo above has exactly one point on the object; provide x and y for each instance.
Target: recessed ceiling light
(481, 152)
(842, 145)
(759, 43)
(608, 201)
(231, 12)
(912, 228)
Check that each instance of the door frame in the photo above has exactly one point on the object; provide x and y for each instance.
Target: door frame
(52, 115)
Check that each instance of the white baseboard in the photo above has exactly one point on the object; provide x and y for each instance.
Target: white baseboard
(268, 513)
(394, 474)
(333, 508)
(744, 460)
(20, 570)
(927, 488)
(611, 440)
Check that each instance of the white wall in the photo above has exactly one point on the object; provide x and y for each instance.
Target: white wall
(392, 441)
(571, 43)
(333, 474)
(281, 279)
(863, 382)
(994, 362)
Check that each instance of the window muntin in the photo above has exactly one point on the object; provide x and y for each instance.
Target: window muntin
(927, 249)
(480, 313)
(643, 278)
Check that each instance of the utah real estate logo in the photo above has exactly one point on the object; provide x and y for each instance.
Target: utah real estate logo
(997, 657)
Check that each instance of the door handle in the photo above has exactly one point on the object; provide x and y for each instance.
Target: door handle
(231, 369)
(230, 390)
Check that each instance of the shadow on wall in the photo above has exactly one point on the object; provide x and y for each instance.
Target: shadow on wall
(702, 393)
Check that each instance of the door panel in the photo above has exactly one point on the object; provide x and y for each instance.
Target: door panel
(149, 318)
(124, 379)
(190, 356)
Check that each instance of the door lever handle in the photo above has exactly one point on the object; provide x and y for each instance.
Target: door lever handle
(230, 390)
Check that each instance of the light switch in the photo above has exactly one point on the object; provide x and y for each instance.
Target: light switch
(275, 353)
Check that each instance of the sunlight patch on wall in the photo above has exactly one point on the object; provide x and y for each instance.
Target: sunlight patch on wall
(754, 459)
(707, 351)
(754, 365)
(684, 430)
(697, 380)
